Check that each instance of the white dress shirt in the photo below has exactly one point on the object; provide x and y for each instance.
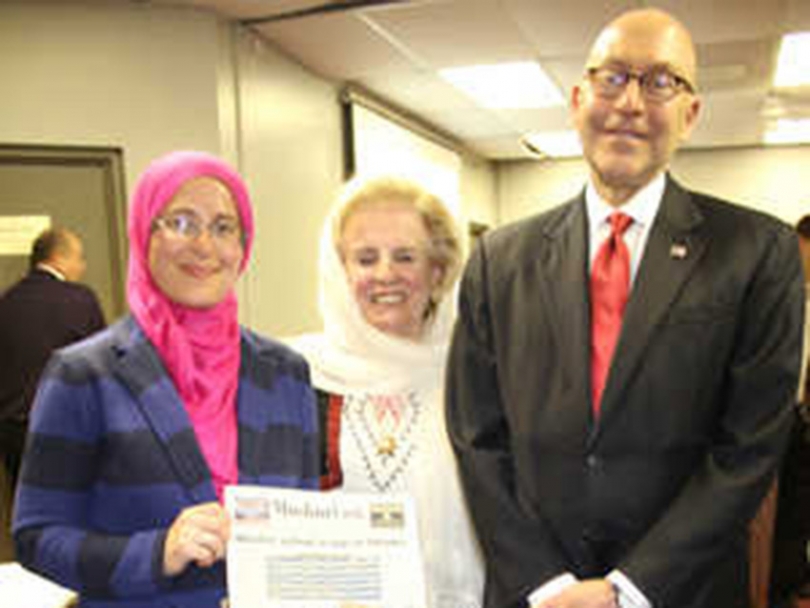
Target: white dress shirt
(642, 207)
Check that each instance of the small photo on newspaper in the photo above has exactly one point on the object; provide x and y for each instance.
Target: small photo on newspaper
(305, 549)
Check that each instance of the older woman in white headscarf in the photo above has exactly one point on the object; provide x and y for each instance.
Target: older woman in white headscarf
(390, 256)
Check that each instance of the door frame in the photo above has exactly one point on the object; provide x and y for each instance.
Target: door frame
(111, 161)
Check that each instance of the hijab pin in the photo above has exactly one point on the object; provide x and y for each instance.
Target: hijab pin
(677, 251)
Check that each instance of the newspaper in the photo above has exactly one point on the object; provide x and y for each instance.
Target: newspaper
(304, 549)
(21, 588)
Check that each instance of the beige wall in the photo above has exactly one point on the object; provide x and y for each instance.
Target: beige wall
(774, 180)
(479, 191)
(292, 157)
(150, 80)
(526, 187)
(769, 179)
(123, 76)
(291, 131)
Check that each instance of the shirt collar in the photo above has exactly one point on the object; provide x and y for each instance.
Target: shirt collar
(50, 270)
(642, 206)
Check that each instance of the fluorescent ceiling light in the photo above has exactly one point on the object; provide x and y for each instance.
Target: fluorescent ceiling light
(557, 144)
(793, 65)
(789, 131)
(514, 85)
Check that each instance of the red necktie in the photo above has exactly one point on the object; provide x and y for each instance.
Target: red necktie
(610, 286)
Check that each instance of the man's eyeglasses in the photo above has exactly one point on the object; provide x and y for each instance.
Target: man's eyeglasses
(657, 84)
(188, 226)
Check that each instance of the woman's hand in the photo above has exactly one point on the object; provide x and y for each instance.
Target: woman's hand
(199, 535)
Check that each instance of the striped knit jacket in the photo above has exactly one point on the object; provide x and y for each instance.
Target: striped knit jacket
(112, 459)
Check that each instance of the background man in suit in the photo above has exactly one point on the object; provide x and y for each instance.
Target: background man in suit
(620, 388)
(45, 310)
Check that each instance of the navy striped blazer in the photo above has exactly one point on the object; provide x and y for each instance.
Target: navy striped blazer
(112, 459)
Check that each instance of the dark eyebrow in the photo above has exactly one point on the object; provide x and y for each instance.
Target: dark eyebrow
(616, 64)
(226, 216)
(192, 211)
(185, 210)
(364, 248)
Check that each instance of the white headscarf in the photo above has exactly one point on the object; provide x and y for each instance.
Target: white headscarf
(351, 354)
(352, 357)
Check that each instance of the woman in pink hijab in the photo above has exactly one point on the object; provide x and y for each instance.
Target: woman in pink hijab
(136, 432)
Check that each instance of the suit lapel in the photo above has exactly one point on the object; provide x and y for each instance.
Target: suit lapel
(141, 371)
(674, 248)
(567, 269)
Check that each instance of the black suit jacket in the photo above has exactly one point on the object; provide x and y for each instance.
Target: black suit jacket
(37, 315)
(694, 415)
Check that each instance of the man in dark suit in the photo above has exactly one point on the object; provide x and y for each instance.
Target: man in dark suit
(620, 385)
(46, 310)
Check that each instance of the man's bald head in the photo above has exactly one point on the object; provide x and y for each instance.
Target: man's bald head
(636, 102)
(649, 28)
(60, 249)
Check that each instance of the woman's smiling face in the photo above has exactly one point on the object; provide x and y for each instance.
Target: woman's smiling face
(385, 250)
(195, 249)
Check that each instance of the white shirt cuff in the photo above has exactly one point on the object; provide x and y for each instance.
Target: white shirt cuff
(551, 588)
(627, 594)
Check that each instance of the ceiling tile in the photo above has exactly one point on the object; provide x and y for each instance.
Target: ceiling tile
(418, 91)
(565, 71)
(537, 119)
(245, 9)
(798, 15)
(454, 33)
(341, 46)
(736, 64)
(393, 50)
(719, 123)
(724, 20)
(472, 124)
(566, 27)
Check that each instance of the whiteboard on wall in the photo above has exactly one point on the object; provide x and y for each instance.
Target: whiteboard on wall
(382, 146)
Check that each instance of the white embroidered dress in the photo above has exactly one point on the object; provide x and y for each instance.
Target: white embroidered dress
(393, 436)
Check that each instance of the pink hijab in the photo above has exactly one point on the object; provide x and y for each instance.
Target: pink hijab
(200, 347)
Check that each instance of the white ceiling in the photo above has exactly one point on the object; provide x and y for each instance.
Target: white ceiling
(394, 50)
